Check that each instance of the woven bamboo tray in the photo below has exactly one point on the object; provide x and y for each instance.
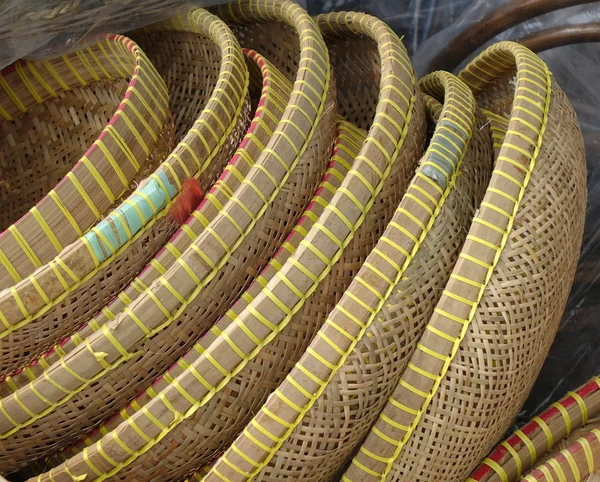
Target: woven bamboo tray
(123, 382)
(294, 147)
(336, 417)
(493, 326)
(41, 310)
(556, 428)
(73, 142)
(215, 424)
(320, 247)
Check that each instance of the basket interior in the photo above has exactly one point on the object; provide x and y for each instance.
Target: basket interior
(41, 145)
(189, 65)
(357, 63)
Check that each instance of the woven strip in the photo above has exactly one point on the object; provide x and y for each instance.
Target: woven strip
(69, 116)
(497, 316)
(42, 309)
(82, 410)
(301, 407)
(518, 453)
(224, 356)
(198, 438)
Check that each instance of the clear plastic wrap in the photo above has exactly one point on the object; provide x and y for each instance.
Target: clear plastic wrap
(415, 20)
(47, 28)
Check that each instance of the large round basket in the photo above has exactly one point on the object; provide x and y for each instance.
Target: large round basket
(255, 220)
(212, 426)
(492, 328)
(202, 146)
(219, 420)
(76, 132)
(41, 309)
(122, 382)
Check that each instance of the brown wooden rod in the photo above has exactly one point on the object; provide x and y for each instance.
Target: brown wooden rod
(507, 16)
(562, 35)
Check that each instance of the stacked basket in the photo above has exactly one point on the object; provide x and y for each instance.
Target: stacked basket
(88, 272)
(55, 300)
(341, 304)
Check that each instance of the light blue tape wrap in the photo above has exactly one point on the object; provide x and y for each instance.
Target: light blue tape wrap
(452, 150)
(111, 227)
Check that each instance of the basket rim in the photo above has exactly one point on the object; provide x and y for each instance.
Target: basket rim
(567, 460)
(433, 170)
(294, 110)
(149, 203)
(312, 53)
(202, 18)
(42, 81)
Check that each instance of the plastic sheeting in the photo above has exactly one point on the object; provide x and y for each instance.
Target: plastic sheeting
(415, 20)
(46, 28)
(43, 28)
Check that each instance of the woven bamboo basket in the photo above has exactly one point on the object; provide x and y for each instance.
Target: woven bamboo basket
(493, 326)
(266, 96)
(336, 417)
(306, 267)
(297, 148)
(215, 424)
(198, 444)
(79, 414)
(73, 143)
(558, 427)
(123, 382)
(42, 309)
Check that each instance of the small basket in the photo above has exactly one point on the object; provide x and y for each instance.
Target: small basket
(252, 224)
(42, 309)
(556, 428)
(496, 319)
(337, 416)
(77, 131)
(355, 196)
